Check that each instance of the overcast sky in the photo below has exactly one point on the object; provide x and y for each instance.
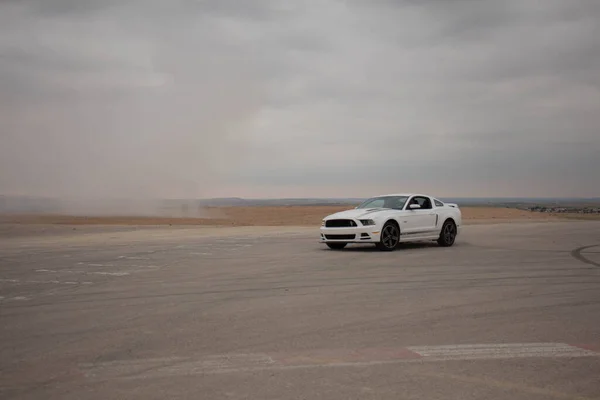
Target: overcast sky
(192, 98)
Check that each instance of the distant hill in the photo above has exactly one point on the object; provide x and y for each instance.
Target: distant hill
(461, 201)
(22, 204)
(520, 201)
(228, 202)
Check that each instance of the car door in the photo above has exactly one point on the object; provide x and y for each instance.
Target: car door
(420, 221)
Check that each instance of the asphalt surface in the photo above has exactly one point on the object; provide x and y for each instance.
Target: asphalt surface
(512, 311)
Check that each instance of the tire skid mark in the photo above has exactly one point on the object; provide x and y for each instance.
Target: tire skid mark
(580, 257)
(489, 247)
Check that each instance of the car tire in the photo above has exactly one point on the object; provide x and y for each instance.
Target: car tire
(447, 234)
(390, 237)
(336, 246)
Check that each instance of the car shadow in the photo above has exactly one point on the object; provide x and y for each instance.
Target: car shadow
(368, 248)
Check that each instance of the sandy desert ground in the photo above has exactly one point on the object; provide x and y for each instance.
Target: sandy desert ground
(266, 216)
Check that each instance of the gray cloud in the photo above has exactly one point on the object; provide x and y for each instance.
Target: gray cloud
(211, 98)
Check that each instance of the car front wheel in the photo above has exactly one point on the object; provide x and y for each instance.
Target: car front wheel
(390, 237)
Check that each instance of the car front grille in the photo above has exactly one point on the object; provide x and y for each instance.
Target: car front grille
(340, 223)
(340, 237)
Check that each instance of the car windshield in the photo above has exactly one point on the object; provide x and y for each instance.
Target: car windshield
(394, 202)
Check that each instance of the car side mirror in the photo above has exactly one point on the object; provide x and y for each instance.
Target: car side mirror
(414, 206)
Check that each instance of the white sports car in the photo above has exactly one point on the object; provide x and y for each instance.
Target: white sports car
(391, 219)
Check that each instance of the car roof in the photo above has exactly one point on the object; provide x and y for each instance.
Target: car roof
(402, 194)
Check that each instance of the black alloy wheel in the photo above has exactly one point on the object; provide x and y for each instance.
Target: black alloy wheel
(448, 234)
(390, 237)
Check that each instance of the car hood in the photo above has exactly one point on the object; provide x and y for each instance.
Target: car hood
(363, 213)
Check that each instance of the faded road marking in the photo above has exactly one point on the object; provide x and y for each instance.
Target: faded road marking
(96, 265)
(494, 351)
(175, 366)
(231, 363)
(19, 282)
(84, 272)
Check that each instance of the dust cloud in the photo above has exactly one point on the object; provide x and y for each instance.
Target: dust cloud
(97, 137)
(126, 157)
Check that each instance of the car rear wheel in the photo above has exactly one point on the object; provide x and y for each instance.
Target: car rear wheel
(448, 234)
(336, 246)
(390, 237)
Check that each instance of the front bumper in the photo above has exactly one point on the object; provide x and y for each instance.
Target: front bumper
(358, 234)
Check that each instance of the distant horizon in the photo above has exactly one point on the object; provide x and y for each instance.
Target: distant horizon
(184, 206)
(66, 198)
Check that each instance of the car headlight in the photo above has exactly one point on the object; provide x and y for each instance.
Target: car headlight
(367, 222)
(323, 223)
